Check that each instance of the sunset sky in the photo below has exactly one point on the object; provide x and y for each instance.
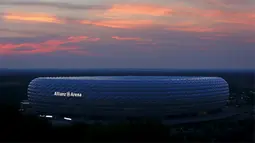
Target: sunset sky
(177, 34)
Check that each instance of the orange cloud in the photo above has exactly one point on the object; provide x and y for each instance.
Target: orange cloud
(127, 9)
(44, 47)
(210, 20)
(125, 24)
(202, 20)
(32, 17)
(237, 21)
(212, 17)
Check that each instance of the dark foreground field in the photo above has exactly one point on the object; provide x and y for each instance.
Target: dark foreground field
(15, 127)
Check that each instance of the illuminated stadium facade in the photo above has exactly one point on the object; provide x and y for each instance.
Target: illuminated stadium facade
(126, 97)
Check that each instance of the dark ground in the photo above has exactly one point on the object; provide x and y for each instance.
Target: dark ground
(16, 127)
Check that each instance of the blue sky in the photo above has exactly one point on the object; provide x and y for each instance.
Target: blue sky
(178, 34)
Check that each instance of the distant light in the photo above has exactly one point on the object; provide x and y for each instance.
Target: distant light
(42, 115)
(48, 116)
(69, 119)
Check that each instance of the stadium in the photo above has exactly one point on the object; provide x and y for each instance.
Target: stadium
(118, 98)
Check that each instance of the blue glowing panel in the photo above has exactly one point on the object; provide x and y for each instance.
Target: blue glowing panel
(127, 95)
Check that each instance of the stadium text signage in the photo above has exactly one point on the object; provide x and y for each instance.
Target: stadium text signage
(68, 94)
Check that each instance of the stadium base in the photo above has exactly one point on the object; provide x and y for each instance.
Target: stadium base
(226, 113)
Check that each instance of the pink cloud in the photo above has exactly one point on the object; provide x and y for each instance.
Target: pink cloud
(125, 16)
(122, 24)
(250, 40)
(192, 29)
(44, 47)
